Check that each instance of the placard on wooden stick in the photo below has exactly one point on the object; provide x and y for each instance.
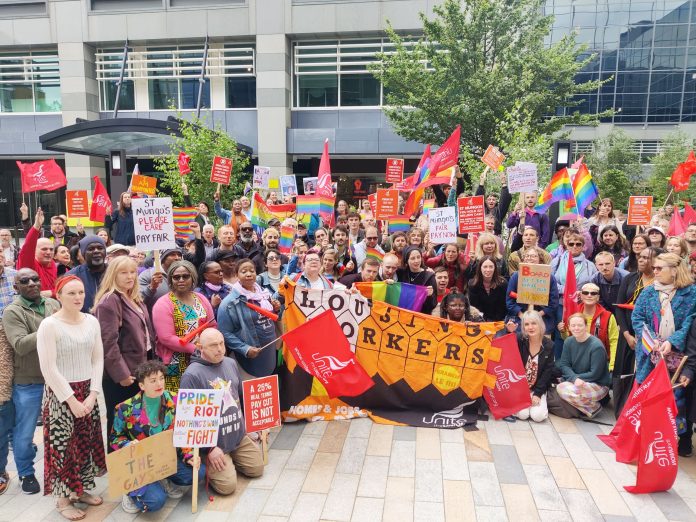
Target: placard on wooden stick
(153, 221)
(78, 203)
(493, 157)
(534, 284)
(442, 225)
(261, 403)
(639, 210)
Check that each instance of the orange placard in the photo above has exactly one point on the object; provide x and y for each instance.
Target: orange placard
(639, 210)
(143, 185)
(387, 203)
(221, 171)
(78, 204)
(395, 170)
(493, 157)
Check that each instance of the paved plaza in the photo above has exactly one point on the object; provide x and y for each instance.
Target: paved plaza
(358, 470)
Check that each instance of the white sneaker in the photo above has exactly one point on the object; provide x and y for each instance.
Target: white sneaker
(171, 489)
(128, 505)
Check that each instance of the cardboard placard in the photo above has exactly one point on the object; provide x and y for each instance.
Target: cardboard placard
(288, 185)
(197, 418)
(387, 203)
(184, 167)
(143, 185)
(639, 210)
(221, 171)
(534, 284)
(443, 225)
(372, 198)
(493, 157)
(522, 177)
(395, 170)
(262, 175)
(153, 220)
(141, 463)
(78, 203)
(472, 214)
(261, 403)
(310, 185)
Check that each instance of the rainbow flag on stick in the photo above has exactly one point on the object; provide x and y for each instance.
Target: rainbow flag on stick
(182, 217)
(584, 189)
(648, 341)
(558, 189)
(404, 295)
(373, 253)
(399, 224)
(287, 234)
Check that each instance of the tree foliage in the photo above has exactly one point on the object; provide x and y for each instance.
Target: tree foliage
(675, 149)
(477, 62)
(202, 144)
(616, 167)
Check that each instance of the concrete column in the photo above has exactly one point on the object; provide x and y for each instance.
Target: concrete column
(273, 81)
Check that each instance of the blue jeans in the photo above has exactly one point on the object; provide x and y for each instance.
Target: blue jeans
(152, 497)
(7, 420)
(27, 404)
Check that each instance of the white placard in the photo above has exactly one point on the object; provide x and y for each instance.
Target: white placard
(288, 185)
(153, 220)
(443, 225)
(262, 176)
(197, 421)
(522, 177)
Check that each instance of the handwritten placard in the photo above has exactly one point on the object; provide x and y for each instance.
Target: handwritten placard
(443, 225)
(471, 214)
(78, 203)
(534, 284)
(261, 403)
(197, 418)
(639, 210)
(262, 177)
(522, 177)
(143, 185)
(141, 463)
(153, 220)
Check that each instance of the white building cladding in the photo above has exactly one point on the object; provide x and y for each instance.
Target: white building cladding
(283, 75)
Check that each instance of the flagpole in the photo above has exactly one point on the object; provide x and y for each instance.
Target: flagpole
(664, 204)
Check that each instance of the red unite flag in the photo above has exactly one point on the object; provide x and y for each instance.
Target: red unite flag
(41, 175)
(328, 356)
(570, 292)
(511, 392)
(324, 187)
(682, 174)
(448, 153)
(101, 203)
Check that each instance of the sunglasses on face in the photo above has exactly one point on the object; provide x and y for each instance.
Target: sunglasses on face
(587, 292)
(181, 277)
(245, 230)
(273, 258)
(575, 244)
(25, 280)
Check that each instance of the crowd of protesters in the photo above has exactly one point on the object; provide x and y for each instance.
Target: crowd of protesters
(85, 316)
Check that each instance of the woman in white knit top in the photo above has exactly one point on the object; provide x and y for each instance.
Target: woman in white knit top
(70, 352)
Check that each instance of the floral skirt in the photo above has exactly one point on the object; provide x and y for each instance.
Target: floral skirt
(73, 448)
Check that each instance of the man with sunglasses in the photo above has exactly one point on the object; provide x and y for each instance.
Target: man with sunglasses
(371, 241)
(247, 248)
(21, 320)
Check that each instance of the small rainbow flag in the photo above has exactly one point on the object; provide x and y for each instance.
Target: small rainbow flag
(584, 189)
(182, 217)
(373, 253)
(648, 342)
(399, 224)
(404, 295)
(558, 189)
(287, 234)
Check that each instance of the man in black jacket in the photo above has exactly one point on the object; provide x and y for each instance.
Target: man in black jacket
(496, 207)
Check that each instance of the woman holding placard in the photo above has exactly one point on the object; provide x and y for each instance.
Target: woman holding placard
(122, 219)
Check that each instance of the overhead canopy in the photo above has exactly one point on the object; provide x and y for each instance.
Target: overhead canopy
(136, 136)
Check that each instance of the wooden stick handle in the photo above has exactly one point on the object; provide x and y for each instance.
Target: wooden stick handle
(679, 369)
(194, 491)
(158, 261)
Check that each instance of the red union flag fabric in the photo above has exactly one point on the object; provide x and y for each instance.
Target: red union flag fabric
(184, 163)
(657, 459)
(41, 175)
(101, 203)
(324, 187)
(570, 291)
(682, 174)
(511, 392)
(332, 363)
(448, 153)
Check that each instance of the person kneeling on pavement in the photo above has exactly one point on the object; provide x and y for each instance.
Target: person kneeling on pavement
(235, 450)
(149, 412)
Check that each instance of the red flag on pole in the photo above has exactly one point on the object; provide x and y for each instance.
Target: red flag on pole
(570, 291)
(41, 175)
(101, 203)
(682, 174)
(448, 153)
(676, 224)
(324, 187)
(689, 214)
(511, 391)
(183, 162)
(328, 356)
(410, 182)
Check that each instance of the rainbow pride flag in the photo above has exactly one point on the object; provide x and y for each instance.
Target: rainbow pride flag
(287, 234)
(182, 217)
(326, 206)
(584, 189)
(399, 224)
(307, 205)
(558, 189)
(648, 342)
(261, 213)
(427, 205)
(373, 253)
(404, 295)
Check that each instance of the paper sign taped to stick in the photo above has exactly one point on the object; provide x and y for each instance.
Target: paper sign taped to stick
(262, 176)
(493, 157)
(143, 185)
(534, 284)
(141, 463)
(221, 171)
(78, 204)
(522, 177)
(387, 203)
(198, 418)
(472, 214)
(395, 170)
(639, 210)
(443, 225)
(261, 403)
(153, 220)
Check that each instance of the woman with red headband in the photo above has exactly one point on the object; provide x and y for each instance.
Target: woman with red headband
(71, 356)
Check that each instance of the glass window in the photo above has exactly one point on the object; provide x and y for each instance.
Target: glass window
(609, 61)
(632, 82)
(108, 91)
(608, 88)
(606, 101)
(634, 59)
(631, 105)
(359, 90)
(17, 97)
(164, 94)
(670, 35)
(673, 58)
(587, 104)
(30, 83)
(672, 11)
(317, 90)
(667, 81)
(689, 107)
(664, 107)
(189, 93)
(637, 36)
(47, 97)
(241, 92)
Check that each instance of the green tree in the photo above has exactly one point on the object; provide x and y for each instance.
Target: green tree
(202, 144)
(616, 167)
(675, 149)
(475, 63)
(616, 185)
